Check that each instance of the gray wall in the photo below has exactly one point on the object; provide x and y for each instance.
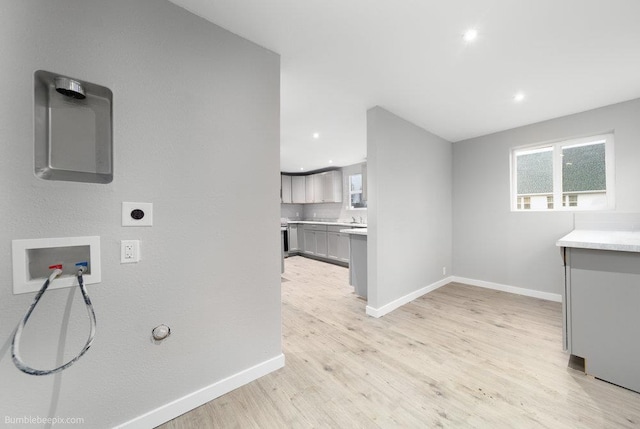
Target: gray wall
(493, 244)
(409, 172)
(196, 132)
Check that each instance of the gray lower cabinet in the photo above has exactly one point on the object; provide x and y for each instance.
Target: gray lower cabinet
(602, 313)
(315, 239)
(309, 241)
(321, 243)
(293, 238)
(338, 244)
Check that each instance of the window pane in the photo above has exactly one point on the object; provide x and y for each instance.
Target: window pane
(535, 171)
(355, 183)
(357, 202)
(583, 168)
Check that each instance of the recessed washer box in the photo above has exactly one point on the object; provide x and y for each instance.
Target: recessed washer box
(32, 258)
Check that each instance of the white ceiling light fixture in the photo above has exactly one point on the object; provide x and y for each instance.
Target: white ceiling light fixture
(330, 162)
(316, 136)
(470, 35)
(519, 97)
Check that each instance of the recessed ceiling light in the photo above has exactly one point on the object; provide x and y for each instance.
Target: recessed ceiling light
(301, 168)
(518, 97)
(470, 35)
(330, 162)
(316, 135)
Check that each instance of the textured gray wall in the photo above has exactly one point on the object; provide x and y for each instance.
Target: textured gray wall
(493, 244)
(409, 215)
(196, 132)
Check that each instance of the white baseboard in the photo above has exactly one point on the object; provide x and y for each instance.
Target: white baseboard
(187, 403)
(387, 308)
(511, 289)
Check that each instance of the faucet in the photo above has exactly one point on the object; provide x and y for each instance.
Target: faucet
(353, 219)
(361, 219)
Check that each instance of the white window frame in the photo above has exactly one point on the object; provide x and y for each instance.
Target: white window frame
(351, 192)
(557, 146)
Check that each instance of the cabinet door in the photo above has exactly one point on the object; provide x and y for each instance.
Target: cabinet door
(309, 241)
(318, 187)
(286, 188)
(321, 243)
(298, 190)
(309, 189)
(293, 237)
(333, 245)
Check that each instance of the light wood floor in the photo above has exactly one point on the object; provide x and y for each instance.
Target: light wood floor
(460, 356)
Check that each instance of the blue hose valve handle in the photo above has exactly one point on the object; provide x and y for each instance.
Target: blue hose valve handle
(82, 266)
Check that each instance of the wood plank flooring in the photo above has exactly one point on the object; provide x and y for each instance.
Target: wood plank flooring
(460, 356)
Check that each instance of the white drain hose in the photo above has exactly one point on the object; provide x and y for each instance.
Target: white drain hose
(15, 343)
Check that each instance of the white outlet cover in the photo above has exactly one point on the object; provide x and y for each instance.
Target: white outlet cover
(129, 220)
(129, 257)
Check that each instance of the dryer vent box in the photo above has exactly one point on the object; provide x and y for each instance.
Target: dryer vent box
(73, 129)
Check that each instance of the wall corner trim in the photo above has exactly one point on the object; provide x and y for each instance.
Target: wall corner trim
(188, 402)
(548, 296)
(388, 308)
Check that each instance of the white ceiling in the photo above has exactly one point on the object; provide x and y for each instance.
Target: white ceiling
(342, 57)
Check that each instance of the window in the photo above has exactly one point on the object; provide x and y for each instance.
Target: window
(356, 196)
(577, 174)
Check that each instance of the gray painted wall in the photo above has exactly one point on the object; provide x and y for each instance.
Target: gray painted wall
(196, 132)
(493, 244)
(409, 171)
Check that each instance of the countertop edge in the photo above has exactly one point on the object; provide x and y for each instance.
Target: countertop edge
(622, 241)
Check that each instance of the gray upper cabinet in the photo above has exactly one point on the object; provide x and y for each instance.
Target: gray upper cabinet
(323, 187)
(329, 186)
(308, 186)
(298, 191)
(285, 188)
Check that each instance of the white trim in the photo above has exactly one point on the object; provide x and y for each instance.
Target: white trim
(548, 296)
(388, 308)
(188, 402)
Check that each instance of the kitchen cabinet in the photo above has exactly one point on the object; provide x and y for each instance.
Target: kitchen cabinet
(328, 187)
(298, 190)
(315, 240)
(294, 246)
(308, 188)
(601, 302)
(285, 189)
(323, 187)
(318, 188)
(337, 244)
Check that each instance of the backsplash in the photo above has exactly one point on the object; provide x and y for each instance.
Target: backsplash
(292, 211)
(607, 221)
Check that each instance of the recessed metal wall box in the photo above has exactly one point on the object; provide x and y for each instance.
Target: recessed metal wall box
(72, 129)
(32, 258)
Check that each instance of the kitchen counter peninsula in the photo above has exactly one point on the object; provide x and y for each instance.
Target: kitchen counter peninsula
(601, 302)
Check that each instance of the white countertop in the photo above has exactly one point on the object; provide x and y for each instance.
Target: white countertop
(353, 225)
(623, 241)
(355, 231)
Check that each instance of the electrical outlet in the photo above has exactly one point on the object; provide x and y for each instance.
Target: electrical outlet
(444, 271)
(129, 251)
(137, 214)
